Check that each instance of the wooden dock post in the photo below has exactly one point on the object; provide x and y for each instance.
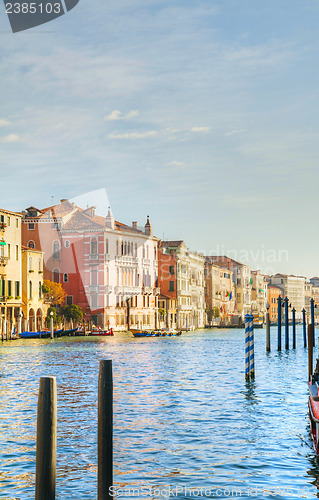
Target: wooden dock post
(294, 328)
(267, 329)
(51, 325)
(46, 440)
(105, 430)
(304, 327)
(286, 323)
(310, 351)
(312, 307)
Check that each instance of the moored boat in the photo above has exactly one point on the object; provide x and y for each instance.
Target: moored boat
(155, 333)
(102, 333)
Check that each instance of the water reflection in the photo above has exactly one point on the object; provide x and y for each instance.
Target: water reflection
(183, 413)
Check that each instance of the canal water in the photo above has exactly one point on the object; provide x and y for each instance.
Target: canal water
(186, 424)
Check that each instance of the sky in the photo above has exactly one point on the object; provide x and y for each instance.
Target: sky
(201, 114)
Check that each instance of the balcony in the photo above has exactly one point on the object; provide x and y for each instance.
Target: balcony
(127, 290)
(3, 261)
(126, 260)
(146, 262)
(94, 257)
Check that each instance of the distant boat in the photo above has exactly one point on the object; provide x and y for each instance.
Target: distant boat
(44, 334)
(102, 333)
(155, 333)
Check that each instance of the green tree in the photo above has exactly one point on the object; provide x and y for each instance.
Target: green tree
(56, 318)
(73, 313)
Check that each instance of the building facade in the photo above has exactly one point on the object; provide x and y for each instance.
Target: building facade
(107, 268)
(274, 292)
(10, 270)
(294, 288)
(33, 308)
(188, 280)
(219, 293)
(259, 295)
(242, 280)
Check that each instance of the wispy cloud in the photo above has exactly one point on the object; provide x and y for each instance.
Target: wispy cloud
(4, 122)
(10, 138)
(116, 114)
(133, 135)
(236, 131)
(175, 163)
(203, 130)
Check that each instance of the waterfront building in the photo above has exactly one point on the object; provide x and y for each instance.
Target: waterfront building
(259, 295)
(294, 288)
(33, 310)
(219, 293)
(167, 313)
(106, 267)
(274, 292)
(242, 279)
(10, 269)
(182, 271)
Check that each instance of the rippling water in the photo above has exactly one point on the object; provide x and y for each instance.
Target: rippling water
(184, 417)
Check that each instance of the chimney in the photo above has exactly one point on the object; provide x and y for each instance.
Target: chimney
(63, 200)
(109, 220)
(134, 224)
(148, 227)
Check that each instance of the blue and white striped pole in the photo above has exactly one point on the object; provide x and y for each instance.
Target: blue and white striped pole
(247, 346)
(252, 347)
(279, 299)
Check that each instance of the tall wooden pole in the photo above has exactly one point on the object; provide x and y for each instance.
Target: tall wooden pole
(46, 440)
(279, 322)
(267, 330)
(105, 430)
(310, 351)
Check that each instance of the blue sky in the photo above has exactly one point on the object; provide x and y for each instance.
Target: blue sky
(202, 114)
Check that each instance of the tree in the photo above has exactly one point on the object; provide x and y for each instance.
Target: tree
(56, 319)
(53, 292)
(72, 312)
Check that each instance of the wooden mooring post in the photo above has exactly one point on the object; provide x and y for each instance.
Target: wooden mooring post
(310, 351)
(105, 430)
(267, 329)
(46, 440)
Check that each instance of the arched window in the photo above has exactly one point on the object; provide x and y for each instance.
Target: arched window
(122, 248)
(31, 244)
(30, 289)
(155, 253)
(40, 264)
(30, 264)
(125, 249)
(94, 246)
(65, 278)
(66, 243)
(56, 275)
(56, 249)
(117, 247)
(106, 246)
(40, 290)
(135, 249)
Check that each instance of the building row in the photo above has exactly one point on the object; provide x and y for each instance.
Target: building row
(123, 276)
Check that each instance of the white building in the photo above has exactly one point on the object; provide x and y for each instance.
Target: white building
(190, 286)
(294, 288)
